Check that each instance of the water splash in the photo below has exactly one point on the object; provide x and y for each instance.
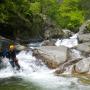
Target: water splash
(71, 42)
(76, 54)
(35, 71)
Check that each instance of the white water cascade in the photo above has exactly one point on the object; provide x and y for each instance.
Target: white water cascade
(72, 41)
(35, 71)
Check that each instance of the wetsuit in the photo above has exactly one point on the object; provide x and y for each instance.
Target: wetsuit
(13, 60)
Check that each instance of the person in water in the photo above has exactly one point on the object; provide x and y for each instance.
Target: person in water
(11, 55)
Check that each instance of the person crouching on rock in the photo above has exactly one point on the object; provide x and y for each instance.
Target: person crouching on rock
(12, 57)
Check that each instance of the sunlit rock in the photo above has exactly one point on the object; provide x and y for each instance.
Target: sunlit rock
(48, 42)
(85, 28)
(84, 48)
(67, 33)
(52, 56)
(83, 66)
(84, 38)
(20, 47)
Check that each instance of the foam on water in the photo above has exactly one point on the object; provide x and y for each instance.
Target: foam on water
(35, 71)
(72, 41)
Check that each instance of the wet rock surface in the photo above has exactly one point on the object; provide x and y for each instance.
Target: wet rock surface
(53, 56)
(83, 66)
(85, 28)
(84, 38)
(48, 42)
(84, 48)
(51, 30)
(69, 64)
(20, 47)
(67, 33)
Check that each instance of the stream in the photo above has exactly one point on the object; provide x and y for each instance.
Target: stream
(35, 75)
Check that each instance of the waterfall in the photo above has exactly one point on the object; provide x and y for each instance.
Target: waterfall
(71, 42)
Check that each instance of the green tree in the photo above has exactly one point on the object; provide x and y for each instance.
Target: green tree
(66, 13)
(21, 16)
(70, 15)
(85, 5)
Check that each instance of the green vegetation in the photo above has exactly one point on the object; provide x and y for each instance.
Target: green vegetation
(66, 14)
(27, 15)
(21, 16)
(70, 15)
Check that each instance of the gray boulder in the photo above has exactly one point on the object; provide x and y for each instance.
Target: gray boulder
(52, 56)
(84, 47)
(51, 30)
(48, 42)
(67, 33)
(84, 38)
(83, 66)
(84, 32)
(85, 28)
(67, 65)
(20, 47)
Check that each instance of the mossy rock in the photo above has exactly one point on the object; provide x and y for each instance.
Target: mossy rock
(85, 28)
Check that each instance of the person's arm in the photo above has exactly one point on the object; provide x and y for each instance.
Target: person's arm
(8, 55)
(13, 55)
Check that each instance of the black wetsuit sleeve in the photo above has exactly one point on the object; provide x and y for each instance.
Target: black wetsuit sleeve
(8, 55)
(13, 54)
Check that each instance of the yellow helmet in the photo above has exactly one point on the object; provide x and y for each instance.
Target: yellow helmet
(12, 47)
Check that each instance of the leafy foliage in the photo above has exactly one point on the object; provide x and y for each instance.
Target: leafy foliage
(67, 14)
(35, 7)
(71, 15)
(22, 15)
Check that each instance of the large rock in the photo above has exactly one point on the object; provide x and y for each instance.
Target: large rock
(48, 42)
(85, 28)
(84, 32)
(83, 66)
(20, 47)
(84, 37)
(67, 33)
(51, 30)
(67, 65)
(84, 47)
(53, 56)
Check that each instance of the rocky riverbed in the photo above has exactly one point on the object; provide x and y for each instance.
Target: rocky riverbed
(68, 61)
(73, 53)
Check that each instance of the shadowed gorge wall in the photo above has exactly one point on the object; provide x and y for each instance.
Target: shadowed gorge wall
(6, 31)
